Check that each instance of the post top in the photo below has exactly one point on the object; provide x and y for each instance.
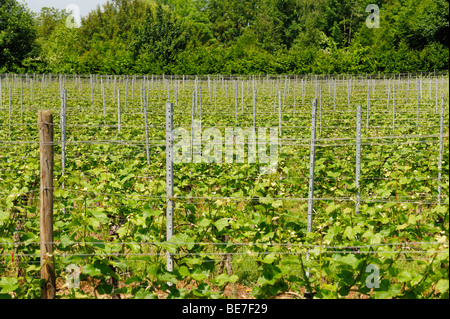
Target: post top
(45, 116)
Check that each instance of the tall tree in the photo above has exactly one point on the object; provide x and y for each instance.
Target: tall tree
(195, 14)
(161, 36)
(231, 17)
(17, 34)
(47, 20)
(115, 19)
(61, 50)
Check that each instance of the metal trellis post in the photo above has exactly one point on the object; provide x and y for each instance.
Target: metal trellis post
(441, 136)
(368, 108)
(393, 109)
(21, 98)
(118, 111)
(311, 165)
(9, 110)
(358, 156)
(311, 175)
(63, 137)
(169, 180)
(279, 113)
(146, 129)
(418, 104)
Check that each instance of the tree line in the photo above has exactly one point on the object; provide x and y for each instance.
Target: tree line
(227, 37)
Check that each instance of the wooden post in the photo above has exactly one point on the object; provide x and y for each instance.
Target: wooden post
(45, 121)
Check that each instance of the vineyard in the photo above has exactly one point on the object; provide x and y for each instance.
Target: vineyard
(357, 206)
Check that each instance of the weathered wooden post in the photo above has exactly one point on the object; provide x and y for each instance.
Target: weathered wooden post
(45, 121)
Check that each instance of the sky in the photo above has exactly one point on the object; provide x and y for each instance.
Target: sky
(85, 6)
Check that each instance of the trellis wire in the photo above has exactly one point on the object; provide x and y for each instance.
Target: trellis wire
(350, 250)
(249, 244)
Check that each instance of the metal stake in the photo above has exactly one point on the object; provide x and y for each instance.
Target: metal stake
(311, 174)
(146, 129)
(169, 180)
(311, 165)
(118, 110)
(358, 156)
(441, 137)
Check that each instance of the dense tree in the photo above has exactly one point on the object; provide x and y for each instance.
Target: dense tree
(115, 19)
(17, 35)
(230, 18)
(228, 36)
(61, 49)
(422, 22)
(194, 13)
(161, 36)
(47, 20)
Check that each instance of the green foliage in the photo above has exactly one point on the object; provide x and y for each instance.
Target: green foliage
(160, 38)
(17, 35)
(230, 18)
(209, 36)
(47, 21)
(61, 49)
(115, 202)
